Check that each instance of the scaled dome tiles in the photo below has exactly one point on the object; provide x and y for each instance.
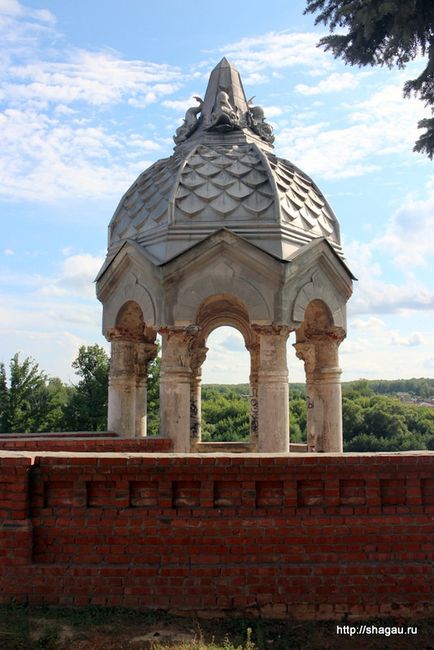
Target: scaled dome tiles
(226, 176)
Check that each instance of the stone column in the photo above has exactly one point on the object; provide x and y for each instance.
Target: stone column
(145, 352)
(253, 379)
(198, 356)
(122, 385)
(306, 351)
(175, 381)
(273, 392)
(321, 357)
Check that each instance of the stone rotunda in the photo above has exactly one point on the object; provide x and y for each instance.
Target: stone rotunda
(224, 233)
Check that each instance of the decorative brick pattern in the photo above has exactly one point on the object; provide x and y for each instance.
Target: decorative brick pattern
(227, 493)
(269, 493)
(310, 536)
(100, 494)
(186, 494)
(352, 492)
(310, 493)
(143, 493)
(393, 492)
(58, 493)
(428, 491)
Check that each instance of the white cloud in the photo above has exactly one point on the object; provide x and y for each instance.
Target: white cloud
(382, 125)
(351, 346)
(372, 295)
(272, 111)
(15, 9)
(43, 158)
(140, 144)
(329, 153)
(429, 363)
(53, 143)
(100, 77)
(334, 83)
(275, 51)
(227, 360)
(371, 323)
(76, 278)
(411, 340)
(255, 78)
(408, 236)
(389, 298)
(49, 328)
(180, 105)
(8, 251)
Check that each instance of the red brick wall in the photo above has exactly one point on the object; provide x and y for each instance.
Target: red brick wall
(306, 536)
(84, 442)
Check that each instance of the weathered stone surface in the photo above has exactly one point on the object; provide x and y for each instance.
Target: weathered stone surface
(225, 233)
(223, 172)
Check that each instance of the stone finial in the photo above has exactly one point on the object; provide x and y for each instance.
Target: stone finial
(224, 108)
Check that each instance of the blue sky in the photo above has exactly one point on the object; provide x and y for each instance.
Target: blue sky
(91, 94)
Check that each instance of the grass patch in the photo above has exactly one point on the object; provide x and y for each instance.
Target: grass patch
(104, 628)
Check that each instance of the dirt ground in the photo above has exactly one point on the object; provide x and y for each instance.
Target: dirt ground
(37, 628)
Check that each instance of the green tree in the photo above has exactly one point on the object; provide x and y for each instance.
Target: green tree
(385, 32)
(225, 414)
(353, 418)
(87, 408)
(153, 424)
(4, 399)
(297, 416)
(31, 402)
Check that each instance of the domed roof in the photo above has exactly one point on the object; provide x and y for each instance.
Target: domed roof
(223, 173)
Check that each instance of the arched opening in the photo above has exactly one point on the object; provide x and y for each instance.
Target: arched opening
(226, 393)
(222, 408)
(297, 395)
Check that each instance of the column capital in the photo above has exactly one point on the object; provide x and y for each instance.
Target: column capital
(271, 330)
(305, 350)
(120, 334)
(197, 357)
(331, 334)
(145, 352)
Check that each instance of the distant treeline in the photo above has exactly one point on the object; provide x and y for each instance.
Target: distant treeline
(420, 387)
(415, 387)
(378, 415)
(375, 418)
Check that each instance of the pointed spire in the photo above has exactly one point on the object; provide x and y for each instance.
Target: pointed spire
(224, 108)
(225, 78)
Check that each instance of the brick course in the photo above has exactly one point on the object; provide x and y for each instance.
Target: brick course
(311, 536)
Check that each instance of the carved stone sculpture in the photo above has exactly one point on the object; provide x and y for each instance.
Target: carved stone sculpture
(191, 122)
(224, 114)
(256, 121)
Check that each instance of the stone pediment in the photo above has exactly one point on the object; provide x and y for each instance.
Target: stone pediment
(129, 250)
(315, 250)
(316, 272)
(220, 243)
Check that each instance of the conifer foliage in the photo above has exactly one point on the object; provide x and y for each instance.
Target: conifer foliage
(384, 32)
